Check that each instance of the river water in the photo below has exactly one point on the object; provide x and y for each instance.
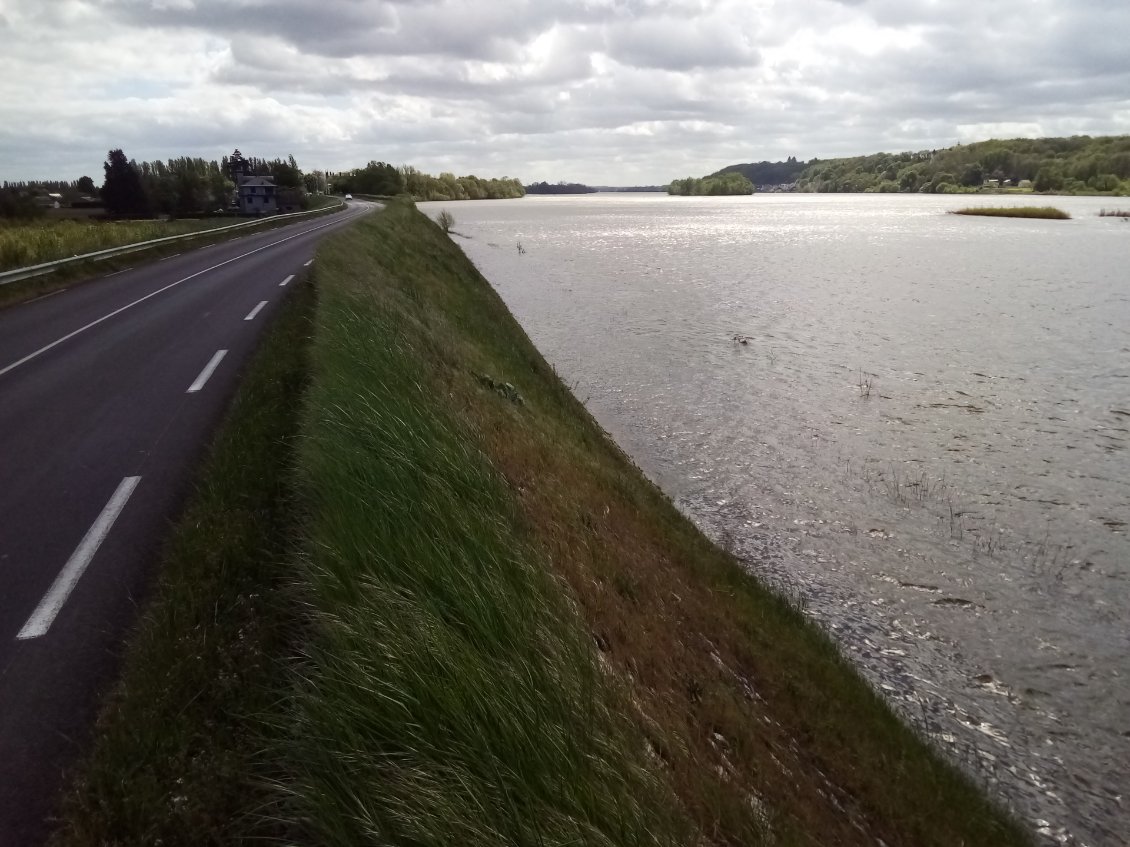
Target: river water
(916, 424)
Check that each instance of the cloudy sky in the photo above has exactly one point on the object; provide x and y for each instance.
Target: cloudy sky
(600, 91)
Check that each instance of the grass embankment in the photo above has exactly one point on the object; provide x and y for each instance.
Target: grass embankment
(509, 635)
(1047, 212)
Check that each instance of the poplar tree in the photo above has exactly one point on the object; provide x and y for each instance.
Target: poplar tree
(122, 191)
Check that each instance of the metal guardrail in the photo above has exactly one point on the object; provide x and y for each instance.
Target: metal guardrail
(48, 267)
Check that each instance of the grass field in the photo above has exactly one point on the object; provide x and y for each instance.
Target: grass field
(1048, 212)
(47, 239)
(81, 237)
(493, 629)
(24, 244)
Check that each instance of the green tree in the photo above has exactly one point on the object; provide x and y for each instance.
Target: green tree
(1049, 178)
(941, 179)
(18, 203)
(287, 174)
(972, 174)
(719, 184)
(86, 185)
(908, 178)
(122, 191)
(1103, 182)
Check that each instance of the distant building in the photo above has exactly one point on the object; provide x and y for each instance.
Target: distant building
(49, 201)
(258, 195)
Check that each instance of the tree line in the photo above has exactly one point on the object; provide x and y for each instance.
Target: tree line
(718, 184)
(192, 186)
(1077, 165)
(559, 188)
(189, 185)
(385, 180)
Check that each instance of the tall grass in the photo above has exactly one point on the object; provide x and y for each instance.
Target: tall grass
(449, 694)
(1048, 212)
(25, 244)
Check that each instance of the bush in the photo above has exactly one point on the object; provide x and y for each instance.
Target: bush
(446, 220)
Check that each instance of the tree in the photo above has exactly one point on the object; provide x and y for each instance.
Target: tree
(1050, 178)
(908, 179)
(287, 174)
(1103, 182)
(86, 185)
(122, 191)
(15, 203)
(941, 179)
(972, 175)
(726, 183)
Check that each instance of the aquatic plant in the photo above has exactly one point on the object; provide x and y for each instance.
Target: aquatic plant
(1048, 212)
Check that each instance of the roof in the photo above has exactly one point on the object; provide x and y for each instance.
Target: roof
(257, 180)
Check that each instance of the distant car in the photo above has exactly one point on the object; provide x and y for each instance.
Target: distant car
(348, 196)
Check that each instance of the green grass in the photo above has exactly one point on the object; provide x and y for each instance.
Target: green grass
(33, 243)
(449, 694)
(58, 232)
(494, 629)
(1047, 212)
(323, 201)
(179, 752)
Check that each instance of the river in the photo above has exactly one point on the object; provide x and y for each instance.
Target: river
(916, 424)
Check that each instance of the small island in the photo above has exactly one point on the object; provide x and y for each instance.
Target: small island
(715, 185)
(1048, 212)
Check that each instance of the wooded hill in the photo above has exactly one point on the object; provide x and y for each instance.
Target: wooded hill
(1078, 165)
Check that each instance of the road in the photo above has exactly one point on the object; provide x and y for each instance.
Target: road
(109, 392)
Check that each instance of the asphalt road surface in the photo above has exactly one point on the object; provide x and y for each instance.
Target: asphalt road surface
(109, 392)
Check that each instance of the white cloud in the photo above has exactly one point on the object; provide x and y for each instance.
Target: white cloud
(608, 91)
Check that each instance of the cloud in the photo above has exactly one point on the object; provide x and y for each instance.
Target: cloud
(681, 45)
(603, 90)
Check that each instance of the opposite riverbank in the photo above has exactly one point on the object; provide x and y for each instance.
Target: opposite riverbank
(439, 606)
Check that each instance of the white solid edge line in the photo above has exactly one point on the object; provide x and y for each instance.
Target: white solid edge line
(285, 281)
(95, 323)
(251, 315)
(52, 602)
(206, 374)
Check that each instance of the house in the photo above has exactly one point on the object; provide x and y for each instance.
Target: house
(257, 195)
(53, 200)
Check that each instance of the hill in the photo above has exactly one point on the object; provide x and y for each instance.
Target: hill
(765, 174)
(1081, 164)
